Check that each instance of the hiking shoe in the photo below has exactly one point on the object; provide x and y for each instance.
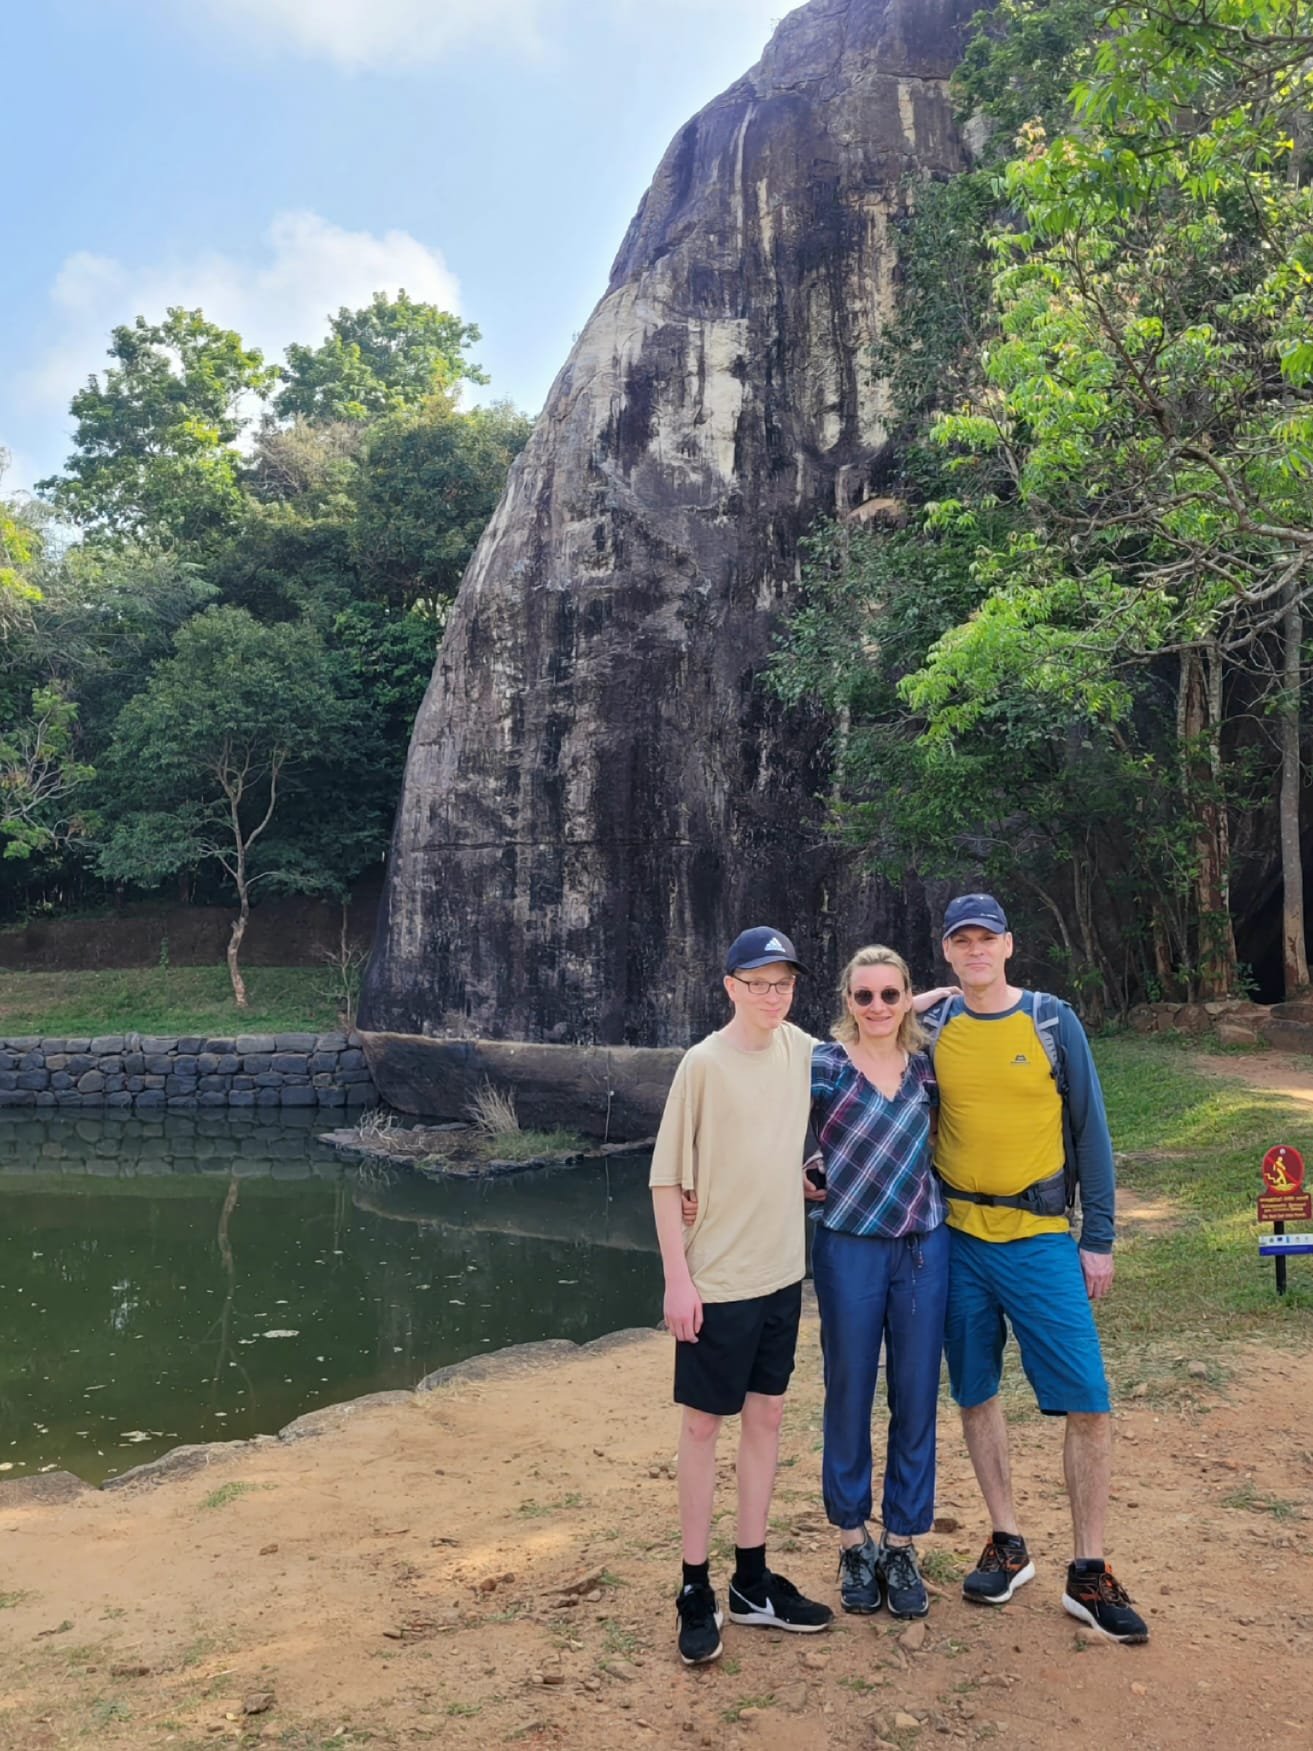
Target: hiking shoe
(1004, 1566)
(859, 1577)
(699, 1625)
(1101, 1602)
(904, 1590)
(774, 1603)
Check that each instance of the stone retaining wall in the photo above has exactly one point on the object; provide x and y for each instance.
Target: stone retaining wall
(1234, 1021)
(181, 1073)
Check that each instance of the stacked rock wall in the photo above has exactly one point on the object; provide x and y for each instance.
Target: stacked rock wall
(181, 1073)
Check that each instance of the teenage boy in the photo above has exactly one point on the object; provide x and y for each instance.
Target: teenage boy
(1021, 1126)
(732, 1133)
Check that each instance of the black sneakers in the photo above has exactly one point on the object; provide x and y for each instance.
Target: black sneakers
(1100, 1601)
(859, 1577)
(904, 1590)
(699, 1625)
(774, 1603)
(1004, 1566)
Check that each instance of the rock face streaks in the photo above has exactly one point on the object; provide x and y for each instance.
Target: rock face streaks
(599, 791)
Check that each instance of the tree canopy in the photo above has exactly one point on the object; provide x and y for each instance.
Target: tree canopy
(239, 607)
(1107, 448)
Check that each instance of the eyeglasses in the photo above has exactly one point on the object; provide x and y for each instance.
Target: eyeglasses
(889, 996)
(763, 987)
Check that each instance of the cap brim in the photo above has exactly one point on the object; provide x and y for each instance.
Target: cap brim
(769, 961)
(989, 924)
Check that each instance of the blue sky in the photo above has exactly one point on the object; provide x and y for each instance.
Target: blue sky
(271, 160)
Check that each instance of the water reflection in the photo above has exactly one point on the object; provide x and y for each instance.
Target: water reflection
(200, 1277)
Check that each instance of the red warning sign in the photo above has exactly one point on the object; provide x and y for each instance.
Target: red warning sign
(1283, 1169)
(1285, 1199)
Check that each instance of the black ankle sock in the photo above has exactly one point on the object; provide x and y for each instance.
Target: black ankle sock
(749, 1564)
(1088, 1565)
(697, 1574)
(1013, 1538)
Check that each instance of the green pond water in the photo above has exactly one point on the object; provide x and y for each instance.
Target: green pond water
(204, 1278)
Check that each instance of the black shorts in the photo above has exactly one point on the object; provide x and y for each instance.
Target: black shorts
(744, 1346)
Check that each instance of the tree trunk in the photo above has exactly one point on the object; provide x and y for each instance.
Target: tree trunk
(234, 949)
(1163, 966)
(1294, 959)
(1199, 725)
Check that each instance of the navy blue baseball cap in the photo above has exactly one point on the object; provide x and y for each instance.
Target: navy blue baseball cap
(982, 910)
(758, 947)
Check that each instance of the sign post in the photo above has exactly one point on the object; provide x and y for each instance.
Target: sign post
(1284, 1200)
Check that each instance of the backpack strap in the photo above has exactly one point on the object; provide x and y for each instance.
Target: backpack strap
(1046, 1014)
(934, 1021)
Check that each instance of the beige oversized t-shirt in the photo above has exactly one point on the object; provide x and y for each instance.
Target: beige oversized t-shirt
(733, 1131)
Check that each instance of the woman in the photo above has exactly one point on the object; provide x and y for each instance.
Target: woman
(880, 1265)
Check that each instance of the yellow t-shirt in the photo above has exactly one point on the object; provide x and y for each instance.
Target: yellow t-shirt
(1000, 1121)
(733, 1131)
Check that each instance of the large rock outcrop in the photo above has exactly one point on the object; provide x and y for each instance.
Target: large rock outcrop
(600, 792)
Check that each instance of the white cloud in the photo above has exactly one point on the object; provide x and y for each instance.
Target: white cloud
(396, 35)
(387, 34)
(307, 270)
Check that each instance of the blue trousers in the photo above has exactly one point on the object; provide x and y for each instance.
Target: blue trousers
(873, 1291)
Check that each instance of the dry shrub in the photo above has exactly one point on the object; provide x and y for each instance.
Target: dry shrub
(492, 1110)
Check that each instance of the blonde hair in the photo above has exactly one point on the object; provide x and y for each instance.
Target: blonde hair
(910, 1035)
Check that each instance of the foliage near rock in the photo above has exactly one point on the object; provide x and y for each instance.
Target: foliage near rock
(1074, 667)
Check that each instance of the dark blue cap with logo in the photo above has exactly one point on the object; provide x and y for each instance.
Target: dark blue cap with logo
(758, 947)
(982, 910)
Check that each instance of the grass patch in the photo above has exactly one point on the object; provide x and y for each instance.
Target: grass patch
(9, 1600)
(941, 1567)
(525, 1145)
(533, 1510)
(1195, 1143)
(165, 1000)
(1247, 1497)
(108, 1709)
(620, 1639)
(735, 1710)
(227, 1492)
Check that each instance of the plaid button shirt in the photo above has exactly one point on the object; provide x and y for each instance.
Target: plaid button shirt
(878, 1173)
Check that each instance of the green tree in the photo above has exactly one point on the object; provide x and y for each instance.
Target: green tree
(39, 776)
(154, 447)
(204, 757)
(393, 353)
(429, 480)
(20, 547)
(1148, 396)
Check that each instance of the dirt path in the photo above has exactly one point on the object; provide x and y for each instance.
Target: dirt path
(494, 1563)
(1288, 1073)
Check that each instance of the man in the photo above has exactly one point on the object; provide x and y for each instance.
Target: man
(1014, 1111)
(732, 1132)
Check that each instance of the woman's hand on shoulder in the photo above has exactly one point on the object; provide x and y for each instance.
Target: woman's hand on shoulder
(927, 999)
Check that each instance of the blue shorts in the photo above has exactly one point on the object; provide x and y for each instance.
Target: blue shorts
(1037, 1287)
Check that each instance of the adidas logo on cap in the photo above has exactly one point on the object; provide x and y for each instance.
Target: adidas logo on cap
(758, 946)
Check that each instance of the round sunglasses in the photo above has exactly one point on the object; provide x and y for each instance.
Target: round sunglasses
(889, 995)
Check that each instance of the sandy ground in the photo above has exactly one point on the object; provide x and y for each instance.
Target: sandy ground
(495, 1562)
